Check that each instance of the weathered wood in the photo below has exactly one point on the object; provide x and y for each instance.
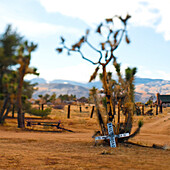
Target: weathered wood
(30, 123)
(80, 109)
(160, 108)
(42, 106)
(92, 111)
(68, 114)
(51, 124)
(156, 109)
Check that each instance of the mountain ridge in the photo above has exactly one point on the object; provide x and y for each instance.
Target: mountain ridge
(144, 87)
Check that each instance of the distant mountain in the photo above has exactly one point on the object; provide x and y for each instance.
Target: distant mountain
(97, 84)
(144, 87)
(59, 88)
(38, 80)
(67, 82)
(145, 80)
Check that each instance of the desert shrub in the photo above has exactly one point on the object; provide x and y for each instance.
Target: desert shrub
(140, 123)
(42, 113)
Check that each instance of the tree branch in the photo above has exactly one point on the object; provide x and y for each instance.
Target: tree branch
(95, 50)
(82, 55)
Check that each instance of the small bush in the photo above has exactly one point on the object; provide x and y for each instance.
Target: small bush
(140, 123)
(42, 113)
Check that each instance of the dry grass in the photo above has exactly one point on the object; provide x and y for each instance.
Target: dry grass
(52, 150)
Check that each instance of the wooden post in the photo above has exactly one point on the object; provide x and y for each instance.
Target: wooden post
(42, 106)
(92, 111)
(68, 115)
(143, 109)
(156, 109)
(160, 108)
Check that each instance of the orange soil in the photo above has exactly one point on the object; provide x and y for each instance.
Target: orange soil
(64, 150)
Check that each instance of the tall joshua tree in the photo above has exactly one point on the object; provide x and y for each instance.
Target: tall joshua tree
(24, 57)
(111, 40)
(9, 42)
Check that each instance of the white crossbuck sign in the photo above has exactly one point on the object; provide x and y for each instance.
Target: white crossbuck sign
(111, 136)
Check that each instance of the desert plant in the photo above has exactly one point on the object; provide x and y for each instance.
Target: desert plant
(124, 89)
(42, 113)
(24, 58)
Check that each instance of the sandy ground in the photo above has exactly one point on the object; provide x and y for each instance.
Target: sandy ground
(65, 150)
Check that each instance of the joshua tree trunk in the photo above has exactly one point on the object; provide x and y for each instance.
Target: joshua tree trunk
(13, 110)
(2, 117)
(6, 114)
(108, 95)
(20, 117)
(101, 122)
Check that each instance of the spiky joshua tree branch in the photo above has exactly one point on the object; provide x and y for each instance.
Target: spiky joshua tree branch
(112, 39)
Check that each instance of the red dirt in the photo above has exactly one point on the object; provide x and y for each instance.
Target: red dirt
(55, 150)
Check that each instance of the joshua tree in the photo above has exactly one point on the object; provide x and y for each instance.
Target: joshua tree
(111, 40)
(24, 57)
(43, 100)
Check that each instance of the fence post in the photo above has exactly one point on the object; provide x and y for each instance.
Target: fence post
(68, 115)
(80, 108)
(156, 109)
(92, 112)
(160, 107)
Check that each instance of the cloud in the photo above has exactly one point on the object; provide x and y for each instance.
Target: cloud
(148, 13)
(90, 11)
(79, 72)
(164, 75)
(38, 29)
(155, 74)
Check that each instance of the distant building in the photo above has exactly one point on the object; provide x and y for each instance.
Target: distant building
(162, 100)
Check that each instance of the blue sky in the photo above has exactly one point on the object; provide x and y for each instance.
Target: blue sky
(44, 21)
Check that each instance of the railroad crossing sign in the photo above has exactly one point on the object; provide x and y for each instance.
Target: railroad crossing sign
(111, 136)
